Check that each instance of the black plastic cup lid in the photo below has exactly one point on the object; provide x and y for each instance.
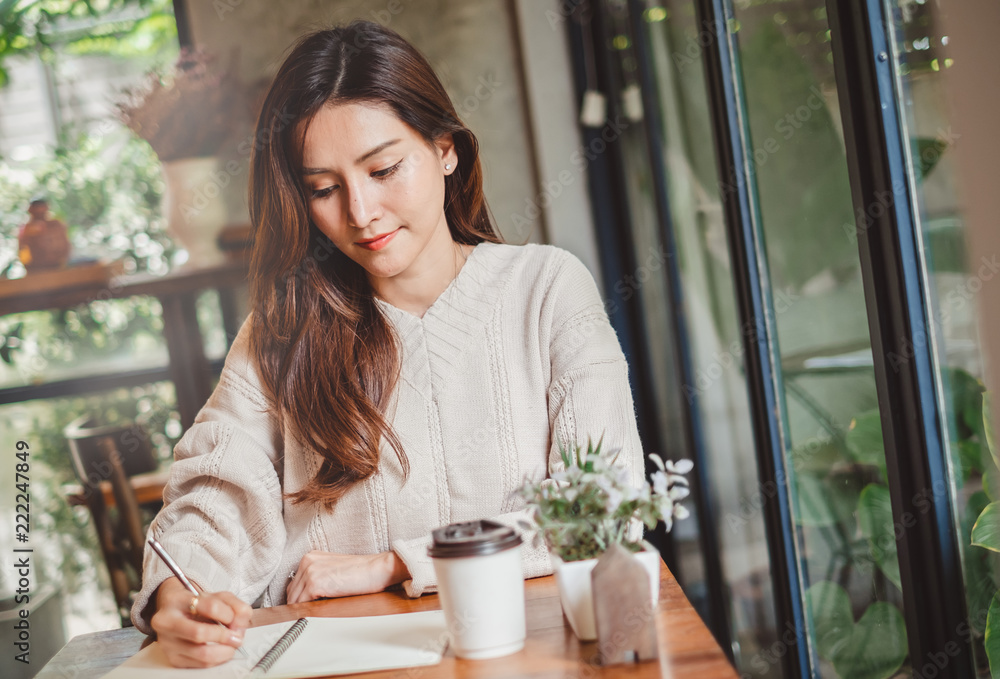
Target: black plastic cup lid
(472, 538)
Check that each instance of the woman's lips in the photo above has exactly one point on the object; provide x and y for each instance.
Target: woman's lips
(380, 242)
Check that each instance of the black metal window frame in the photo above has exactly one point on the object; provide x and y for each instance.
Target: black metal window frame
(896, 304)
(762, 366)
(613, 226)
(913, 426)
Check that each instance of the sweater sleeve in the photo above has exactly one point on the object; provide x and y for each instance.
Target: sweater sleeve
(413, 552)
(588, 396)
(589, 393)
(222, 515)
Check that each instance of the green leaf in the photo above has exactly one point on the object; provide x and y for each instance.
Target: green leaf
(979, 586)
(967, 400)
(991, 479)
(992, 641)
(927, 151)
(832, 617)
(877, 645)
(965, 403)
(986, 532)
(875, 517)
(873, 648)
(966, 457)
(864, 440)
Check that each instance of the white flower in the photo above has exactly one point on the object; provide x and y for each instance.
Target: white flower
(680, 466)
(631, 492)
(681, 512)
(613, 500)
(679, 493)
(657, 460)
(659, 480)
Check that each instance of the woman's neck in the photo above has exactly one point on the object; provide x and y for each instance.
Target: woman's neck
(417, 292)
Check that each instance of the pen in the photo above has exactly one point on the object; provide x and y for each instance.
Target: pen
(176, 570)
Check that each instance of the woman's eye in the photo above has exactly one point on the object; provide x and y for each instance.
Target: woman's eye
(382, 174)
(323, 193)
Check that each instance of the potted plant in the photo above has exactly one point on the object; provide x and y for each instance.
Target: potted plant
(188, 117)
(591, 504)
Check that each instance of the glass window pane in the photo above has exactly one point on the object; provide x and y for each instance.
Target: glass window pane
(719, 387)
(921, 56)
(835, 456)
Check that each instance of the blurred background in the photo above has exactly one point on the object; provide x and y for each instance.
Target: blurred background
(711, 161)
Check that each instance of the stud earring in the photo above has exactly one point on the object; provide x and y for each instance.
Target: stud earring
(447, 167)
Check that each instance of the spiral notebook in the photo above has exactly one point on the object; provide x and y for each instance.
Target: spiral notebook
(313, 647)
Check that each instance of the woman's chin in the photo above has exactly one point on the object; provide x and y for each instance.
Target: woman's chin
(384, 266)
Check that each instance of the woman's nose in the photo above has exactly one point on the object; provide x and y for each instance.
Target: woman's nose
(362, 206)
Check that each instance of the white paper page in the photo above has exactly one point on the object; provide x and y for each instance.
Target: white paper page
(326, 646)
(346, 645)
(151, 662)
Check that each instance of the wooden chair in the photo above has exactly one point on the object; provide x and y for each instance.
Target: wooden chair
(114, 453)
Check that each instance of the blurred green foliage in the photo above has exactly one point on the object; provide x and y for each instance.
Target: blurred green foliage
(116, 27)
(69, 536)
(107, 186)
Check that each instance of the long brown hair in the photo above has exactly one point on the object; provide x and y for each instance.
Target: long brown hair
(326, 353)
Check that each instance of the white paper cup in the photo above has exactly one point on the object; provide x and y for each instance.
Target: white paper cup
(478, 567)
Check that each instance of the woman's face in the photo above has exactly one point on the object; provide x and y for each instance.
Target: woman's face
(376, 189)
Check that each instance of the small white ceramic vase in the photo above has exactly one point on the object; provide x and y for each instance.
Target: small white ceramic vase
(577, 596)
(195, 207)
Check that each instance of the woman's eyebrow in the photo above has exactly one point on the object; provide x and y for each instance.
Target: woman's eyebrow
(365, 156)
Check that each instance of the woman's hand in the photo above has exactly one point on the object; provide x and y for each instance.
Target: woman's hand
(198, 641)
(324, 574)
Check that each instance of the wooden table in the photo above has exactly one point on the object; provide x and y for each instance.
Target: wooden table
(177, 292)
(687, 648)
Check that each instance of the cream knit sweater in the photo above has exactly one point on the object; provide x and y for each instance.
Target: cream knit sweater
(515, 355)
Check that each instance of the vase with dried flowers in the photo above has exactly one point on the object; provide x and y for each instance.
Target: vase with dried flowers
(188, 116)
(591, 504)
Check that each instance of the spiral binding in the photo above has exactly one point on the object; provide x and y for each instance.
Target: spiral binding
(286, 640)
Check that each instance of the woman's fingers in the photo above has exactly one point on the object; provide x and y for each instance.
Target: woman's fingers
(224, 607)
(241, 610)
(295, 587)
(186, 654)
(325, 574)
(199, 632)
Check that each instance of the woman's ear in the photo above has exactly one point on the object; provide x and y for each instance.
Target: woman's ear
(445, 145)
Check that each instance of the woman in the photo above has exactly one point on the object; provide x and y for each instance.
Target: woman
(401, 368)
